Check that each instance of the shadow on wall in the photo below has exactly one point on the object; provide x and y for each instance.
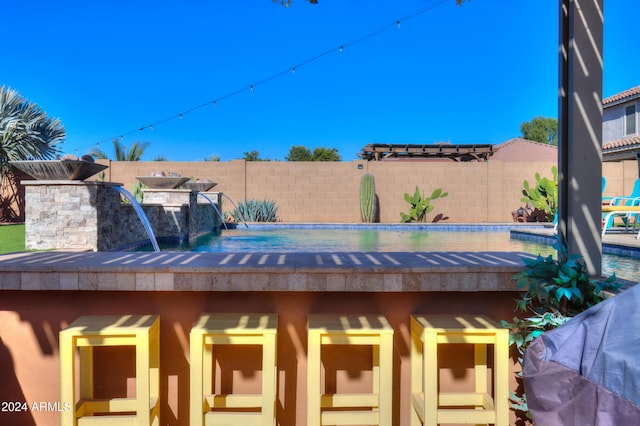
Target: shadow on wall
(33, 319)
(13, 410)
(12, 197)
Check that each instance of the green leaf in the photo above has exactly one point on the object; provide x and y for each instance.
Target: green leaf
(536, 333)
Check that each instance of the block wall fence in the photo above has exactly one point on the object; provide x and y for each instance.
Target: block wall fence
(329, 191)
(480, 192)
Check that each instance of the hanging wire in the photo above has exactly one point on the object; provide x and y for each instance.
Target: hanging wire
(290, 70)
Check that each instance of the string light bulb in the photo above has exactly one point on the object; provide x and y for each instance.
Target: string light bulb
(398, 24)
(251, 87)
(293, 70)
(151, 127)
(180, 116)
(341, 48)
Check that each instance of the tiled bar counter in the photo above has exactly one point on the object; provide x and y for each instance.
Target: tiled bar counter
(42, 292)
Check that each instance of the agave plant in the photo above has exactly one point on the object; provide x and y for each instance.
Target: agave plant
(255, 211)
(26, 132)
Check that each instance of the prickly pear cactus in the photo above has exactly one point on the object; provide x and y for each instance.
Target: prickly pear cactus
(368, 198)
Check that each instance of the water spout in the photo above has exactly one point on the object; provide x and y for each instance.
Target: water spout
(236, 207)
(215, 207)
(143, 217)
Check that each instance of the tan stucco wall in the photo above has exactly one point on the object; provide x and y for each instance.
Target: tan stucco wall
(328, 191)
(31, 320)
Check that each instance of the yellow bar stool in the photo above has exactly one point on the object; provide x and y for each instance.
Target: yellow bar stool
(88, 332)
(350, 409)
(430, 407)
(208, 408)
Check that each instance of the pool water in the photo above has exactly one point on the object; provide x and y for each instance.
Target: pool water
(390, 240)
(359, 240)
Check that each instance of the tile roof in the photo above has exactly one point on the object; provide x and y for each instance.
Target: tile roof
(519, 149)
(621, 143)
(633, 92)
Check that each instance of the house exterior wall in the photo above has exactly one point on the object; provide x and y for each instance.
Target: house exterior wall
(613, 121)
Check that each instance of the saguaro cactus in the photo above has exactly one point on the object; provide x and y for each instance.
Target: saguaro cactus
(368, 198)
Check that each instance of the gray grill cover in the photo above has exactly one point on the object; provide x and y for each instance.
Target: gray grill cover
(587, 371)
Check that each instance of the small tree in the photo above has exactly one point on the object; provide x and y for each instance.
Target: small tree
(253, 156)
(120, 151)
(26, 132)
(299, 153)
(541, 129)
(326, 154)
(302, 153)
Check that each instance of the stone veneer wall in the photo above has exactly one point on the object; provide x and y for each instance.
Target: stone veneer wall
(75, 215)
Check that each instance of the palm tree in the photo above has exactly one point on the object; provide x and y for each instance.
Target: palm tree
(121, 153)
(26, 132)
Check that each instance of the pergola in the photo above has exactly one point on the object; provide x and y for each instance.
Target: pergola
(470, 152)
(580, 128)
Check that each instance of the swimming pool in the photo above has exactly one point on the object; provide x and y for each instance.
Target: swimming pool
(397, 238)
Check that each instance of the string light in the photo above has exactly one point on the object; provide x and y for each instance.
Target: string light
(291, 70)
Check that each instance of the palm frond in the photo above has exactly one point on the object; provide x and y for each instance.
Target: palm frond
(26, 132)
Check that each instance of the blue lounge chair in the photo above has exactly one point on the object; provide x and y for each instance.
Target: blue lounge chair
(631, 200)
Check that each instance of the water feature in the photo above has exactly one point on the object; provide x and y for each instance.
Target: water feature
(143, 217)
(215, 208)
(236, 207)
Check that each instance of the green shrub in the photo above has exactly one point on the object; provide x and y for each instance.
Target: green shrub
(421, 206)
(255, 211)
(556, 290)
(544, 196)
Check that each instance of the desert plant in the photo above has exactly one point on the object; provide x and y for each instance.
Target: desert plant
(138, 191)
(255, 211)
(26, 132)
(420, 206)
(121, 153)
(544, 196)
(556, 290)
(368, 198)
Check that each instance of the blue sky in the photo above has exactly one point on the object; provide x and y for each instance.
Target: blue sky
(462, 74)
